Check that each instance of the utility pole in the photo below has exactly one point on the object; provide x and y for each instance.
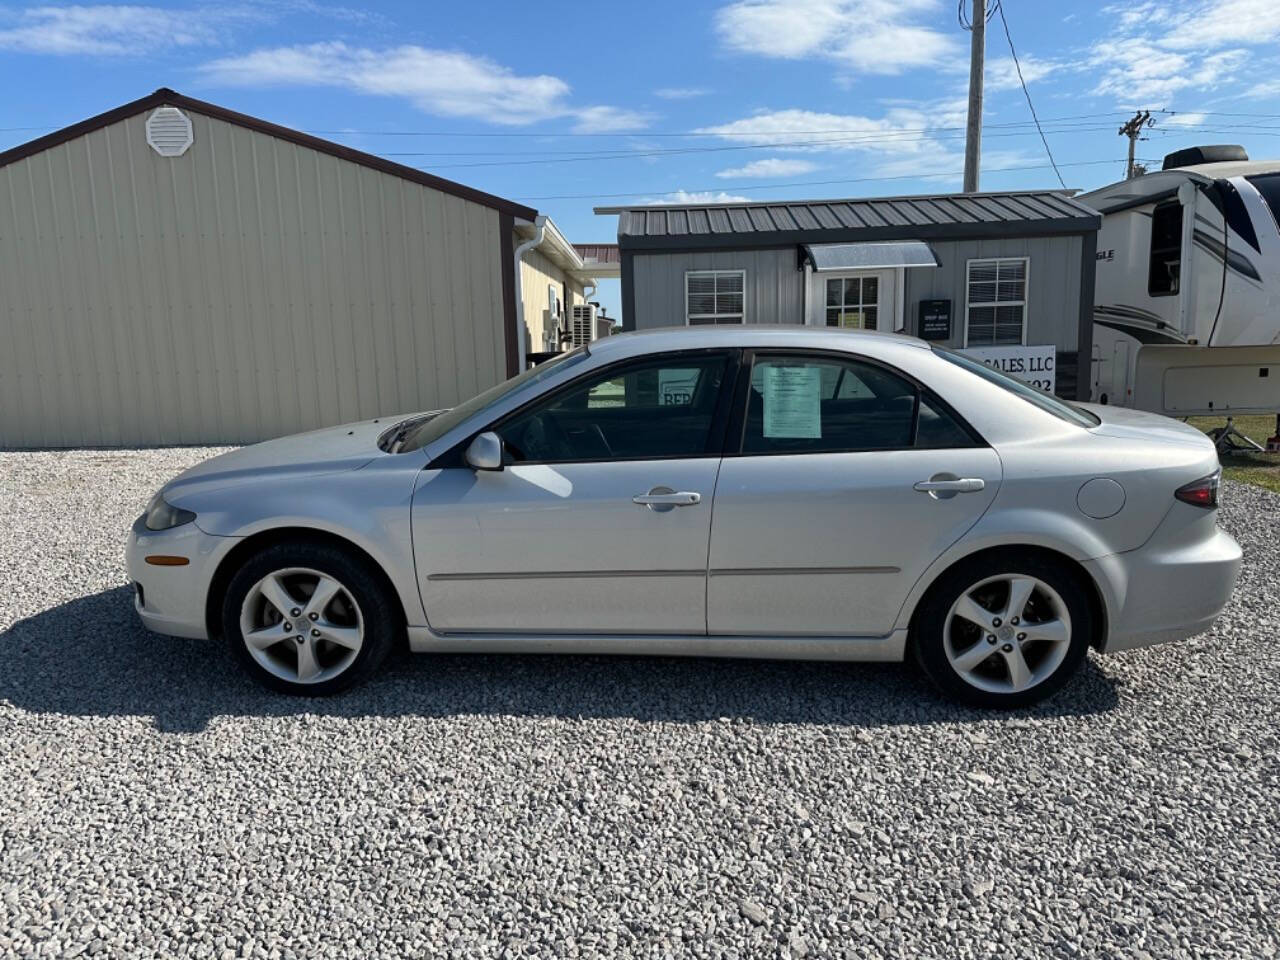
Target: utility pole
(973, 129)
(1133, 129)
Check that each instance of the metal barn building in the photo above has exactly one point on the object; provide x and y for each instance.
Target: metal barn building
(172, 272)
(1007, 276)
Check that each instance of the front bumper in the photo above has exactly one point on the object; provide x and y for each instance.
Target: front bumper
(1166, 590)
(172, 599)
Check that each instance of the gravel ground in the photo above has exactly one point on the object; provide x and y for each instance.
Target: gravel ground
(154, 802)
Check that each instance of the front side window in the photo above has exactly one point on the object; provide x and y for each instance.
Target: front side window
(996, 306)
(662, 408)
(831, 405)
(853, 302)
(1166, 249)
(714, 296)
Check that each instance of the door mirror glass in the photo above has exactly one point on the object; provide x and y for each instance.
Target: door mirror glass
(485, 452)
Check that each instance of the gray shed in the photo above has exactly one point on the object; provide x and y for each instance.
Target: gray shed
(1008, 276)
(172, 272)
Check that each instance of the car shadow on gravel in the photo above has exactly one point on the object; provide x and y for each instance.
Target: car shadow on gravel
(91, 657)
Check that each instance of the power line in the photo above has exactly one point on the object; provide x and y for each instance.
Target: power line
(813, 183)
(1027, 93)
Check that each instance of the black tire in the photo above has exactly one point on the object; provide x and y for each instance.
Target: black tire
(927, 638)
(378, 610)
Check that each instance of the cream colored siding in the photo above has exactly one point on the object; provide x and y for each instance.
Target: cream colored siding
(537, 272)
(247, 289)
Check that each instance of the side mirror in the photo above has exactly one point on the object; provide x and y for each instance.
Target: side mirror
(485, 452)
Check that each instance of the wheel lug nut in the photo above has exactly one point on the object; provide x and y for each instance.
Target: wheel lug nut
(287, 626)
(1007, 648)
(995, 622)
(316, 616)
(315, 633)
(301, 639)
(295, 612)
(991, 638)
(1022, 636)
(1014, 621)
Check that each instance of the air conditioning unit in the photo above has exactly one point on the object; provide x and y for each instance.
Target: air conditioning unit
(583, 326)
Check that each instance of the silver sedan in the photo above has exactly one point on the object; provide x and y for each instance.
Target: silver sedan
(744, 492)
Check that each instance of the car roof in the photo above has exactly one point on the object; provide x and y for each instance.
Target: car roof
(750, 335)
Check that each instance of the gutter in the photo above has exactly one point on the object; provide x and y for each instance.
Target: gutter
(522, 329)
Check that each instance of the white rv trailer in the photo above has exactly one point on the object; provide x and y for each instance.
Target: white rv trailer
(1187, 289)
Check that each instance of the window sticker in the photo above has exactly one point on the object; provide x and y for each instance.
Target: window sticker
(793, 402)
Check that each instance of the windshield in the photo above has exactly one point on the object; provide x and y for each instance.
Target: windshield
(1046, 402)
(433, 429)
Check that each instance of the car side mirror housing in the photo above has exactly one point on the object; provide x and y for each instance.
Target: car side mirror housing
(485, 452)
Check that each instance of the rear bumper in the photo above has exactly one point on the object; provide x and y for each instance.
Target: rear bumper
(1165, 592)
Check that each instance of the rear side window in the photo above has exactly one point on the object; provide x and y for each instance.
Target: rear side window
(829, 405)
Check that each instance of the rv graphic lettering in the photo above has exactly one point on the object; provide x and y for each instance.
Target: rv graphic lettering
(1032, 364)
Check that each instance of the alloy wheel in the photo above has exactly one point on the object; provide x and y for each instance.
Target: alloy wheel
(1007, 633)
(301, 625)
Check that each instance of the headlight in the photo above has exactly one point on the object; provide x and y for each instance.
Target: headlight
(161, 515)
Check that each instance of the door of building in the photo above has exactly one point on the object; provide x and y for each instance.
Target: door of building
(856, 299)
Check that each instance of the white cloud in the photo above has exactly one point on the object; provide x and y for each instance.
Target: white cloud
(769, 167)
(680, 93)
(446, 83)
(108, 30)
(864, 36)
(700, 196)
(1002, 73)
(1189, 119)
(1158, 50)
(901, 129)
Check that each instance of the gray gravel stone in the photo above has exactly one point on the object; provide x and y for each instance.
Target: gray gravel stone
(155, 803)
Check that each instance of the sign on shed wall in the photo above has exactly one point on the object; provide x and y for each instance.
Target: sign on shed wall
(1032, 363)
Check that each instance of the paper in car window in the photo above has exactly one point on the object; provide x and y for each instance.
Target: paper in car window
(676, 386)
(793, 402)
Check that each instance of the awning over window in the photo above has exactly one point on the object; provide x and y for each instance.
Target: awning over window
(869, 256)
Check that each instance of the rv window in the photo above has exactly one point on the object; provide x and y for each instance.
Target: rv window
(1166, 249)
(1268, 184)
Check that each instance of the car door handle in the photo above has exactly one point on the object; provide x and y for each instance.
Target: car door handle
(958, 485)
(665, 498)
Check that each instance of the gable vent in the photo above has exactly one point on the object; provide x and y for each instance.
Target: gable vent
(169, 132)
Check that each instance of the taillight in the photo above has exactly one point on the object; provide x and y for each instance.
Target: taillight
(1200, 493)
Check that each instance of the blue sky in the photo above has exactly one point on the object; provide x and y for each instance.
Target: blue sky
(566, 106)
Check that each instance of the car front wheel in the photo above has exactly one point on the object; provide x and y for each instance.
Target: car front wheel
(308, 619)
(1003, 632)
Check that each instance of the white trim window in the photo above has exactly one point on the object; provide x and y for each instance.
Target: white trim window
(714, 296)
(995, 312)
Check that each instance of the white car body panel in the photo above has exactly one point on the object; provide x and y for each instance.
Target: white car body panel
(478, 559)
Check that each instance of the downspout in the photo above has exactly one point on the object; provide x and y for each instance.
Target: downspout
(522, 329)
(804, 293)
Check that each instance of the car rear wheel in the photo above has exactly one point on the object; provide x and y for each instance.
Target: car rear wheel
(308, 619)
(1003, 631)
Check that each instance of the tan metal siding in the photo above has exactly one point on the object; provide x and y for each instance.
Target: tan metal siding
(537, 271)
(247, 289)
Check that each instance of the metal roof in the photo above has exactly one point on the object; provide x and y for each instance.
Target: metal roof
(923, 217)
(599, 252)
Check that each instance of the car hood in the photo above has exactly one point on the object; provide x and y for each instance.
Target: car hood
(331, 450)
(1130, 424)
